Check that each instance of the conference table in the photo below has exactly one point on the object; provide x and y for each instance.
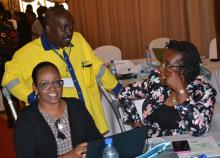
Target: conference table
(213, 67)
(207, 144)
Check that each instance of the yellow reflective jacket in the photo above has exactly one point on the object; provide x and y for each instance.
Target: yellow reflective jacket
(25, 59)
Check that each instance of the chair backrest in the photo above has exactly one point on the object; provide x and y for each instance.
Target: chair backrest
(158, 43)
(108, 53)
(213, 49)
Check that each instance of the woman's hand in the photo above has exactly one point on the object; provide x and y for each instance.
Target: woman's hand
(137, 124)
(78, 152)
(173, 80)
(176, 83)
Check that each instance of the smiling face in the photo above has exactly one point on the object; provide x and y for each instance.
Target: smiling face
(48, 85)
(59, 28)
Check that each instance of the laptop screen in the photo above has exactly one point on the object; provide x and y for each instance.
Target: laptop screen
(128, 144)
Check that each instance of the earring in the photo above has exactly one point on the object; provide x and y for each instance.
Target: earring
(36, 95)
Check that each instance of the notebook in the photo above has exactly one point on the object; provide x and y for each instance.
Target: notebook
(128, 144)
(159, 53)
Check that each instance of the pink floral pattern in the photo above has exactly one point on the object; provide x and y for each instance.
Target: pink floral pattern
(195, 113)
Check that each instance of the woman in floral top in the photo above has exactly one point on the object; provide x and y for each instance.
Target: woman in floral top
(178, 99)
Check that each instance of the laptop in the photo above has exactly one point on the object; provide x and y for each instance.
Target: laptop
(128, 144)
(159, 52)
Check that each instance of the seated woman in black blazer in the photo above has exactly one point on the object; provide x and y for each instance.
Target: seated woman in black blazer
(53, 126)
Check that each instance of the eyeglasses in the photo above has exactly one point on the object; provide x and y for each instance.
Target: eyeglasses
(59, 126)
(165, 65)
(47, 85)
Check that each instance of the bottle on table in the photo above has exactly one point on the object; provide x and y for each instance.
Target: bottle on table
(109, 150)
(113, 68)
(148, 66)
(143, 72)
(148, 56)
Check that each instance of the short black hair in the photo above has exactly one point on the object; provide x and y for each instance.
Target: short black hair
(29, 8)
(53, 11)
(190, 58)
(41, 12)
(38, 67)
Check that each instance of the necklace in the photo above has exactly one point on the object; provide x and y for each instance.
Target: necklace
(173, 99)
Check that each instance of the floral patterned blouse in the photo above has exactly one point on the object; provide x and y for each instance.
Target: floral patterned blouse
(195, 113)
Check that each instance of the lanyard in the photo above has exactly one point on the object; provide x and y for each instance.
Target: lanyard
(57, 53)
(72, 73)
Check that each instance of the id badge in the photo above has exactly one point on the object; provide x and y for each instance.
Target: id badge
(68, 82)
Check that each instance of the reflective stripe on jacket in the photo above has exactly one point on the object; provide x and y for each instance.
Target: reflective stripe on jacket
(25, 59)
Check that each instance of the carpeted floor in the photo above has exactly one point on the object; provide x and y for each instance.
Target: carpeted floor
(6, 144)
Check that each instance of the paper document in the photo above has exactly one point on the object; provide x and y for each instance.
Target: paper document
(126, 67)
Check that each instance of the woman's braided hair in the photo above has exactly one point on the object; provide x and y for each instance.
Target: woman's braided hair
(190, 58)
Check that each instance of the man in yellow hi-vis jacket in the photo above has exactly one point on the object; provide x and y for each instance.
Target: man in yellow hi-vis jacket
(79, 67)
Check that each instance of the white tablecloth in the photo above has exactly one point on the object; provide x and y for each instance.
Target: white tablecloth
(214, 68)
(206, 144)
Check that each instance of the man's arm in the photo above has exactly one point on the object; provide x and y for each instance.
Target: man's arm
(12, 79)
(103, 75)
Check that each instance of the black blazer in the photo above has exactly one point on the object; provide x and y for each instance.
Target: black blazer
(33, 137)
